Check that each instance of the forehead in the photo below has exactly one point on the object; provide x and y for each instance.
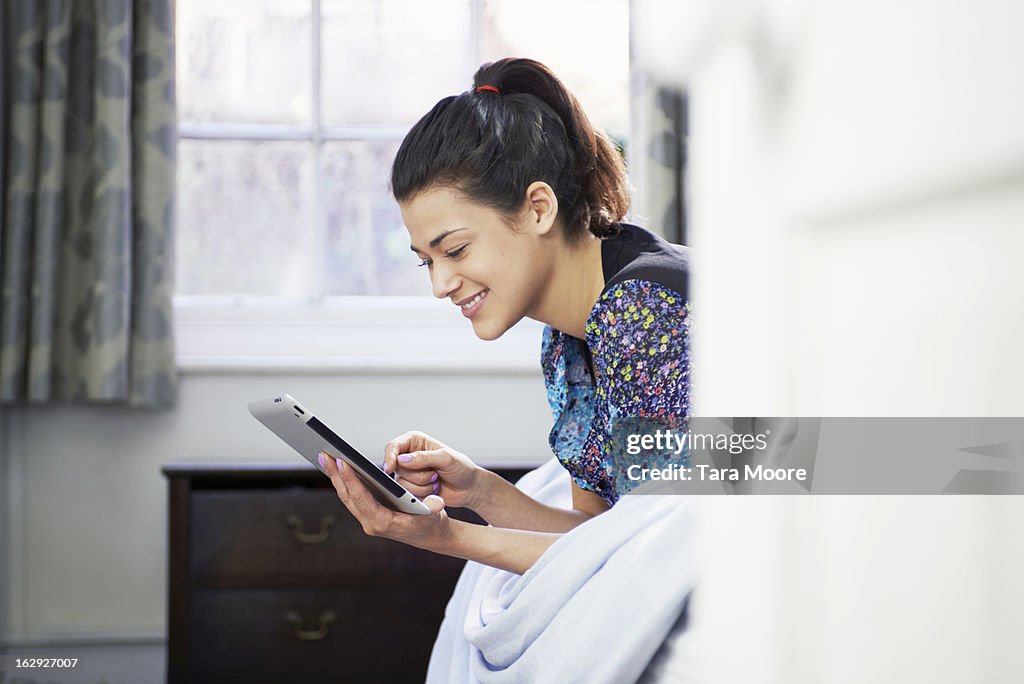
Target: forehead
(437, 210)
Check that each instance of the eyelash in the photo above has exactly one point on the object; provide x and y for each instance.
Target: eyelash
(454, 254)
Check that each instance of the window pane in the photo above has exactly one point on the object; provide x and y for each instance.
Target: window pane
(585, 42)
(367, 250)
(387, 62)
(245, 61)
(244, 219)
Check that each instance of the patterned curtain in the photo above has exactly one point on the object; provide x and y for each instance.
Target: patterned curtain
(87, 171)
(657, 162)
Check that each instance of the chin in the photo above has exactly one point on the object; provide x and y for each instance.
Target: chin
(488, 333)
(489, 330)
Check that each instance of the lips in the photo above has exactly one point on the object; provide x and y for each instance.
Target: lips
(472, 304)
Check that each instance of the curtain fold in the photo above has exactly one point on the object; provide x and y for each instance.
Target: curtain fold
(86, 224)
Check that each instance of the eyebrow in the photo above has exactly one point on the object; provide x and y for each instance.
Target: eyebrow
(436, 241)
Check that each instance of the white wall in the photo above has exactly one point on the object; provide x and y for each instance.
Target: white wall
(857, 188)
(872, 194)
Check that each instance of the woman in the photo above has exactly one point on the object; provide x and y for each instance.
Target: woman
(514, 203)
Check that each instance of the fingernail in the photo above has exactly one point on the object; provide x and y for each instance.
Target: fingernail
(437, 485)
(405, 458)
(433, 478)
(323, 462)
(341, 464)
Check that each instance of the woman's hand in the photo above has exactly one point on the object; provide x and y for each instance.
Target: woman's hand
(432, 532)
(512, 550)
(425, 466)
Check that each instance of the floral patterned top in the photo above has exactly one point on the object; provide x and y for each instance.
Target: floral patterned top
(638, 337)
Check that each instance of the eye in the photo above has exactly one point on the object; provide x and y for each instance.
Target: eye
(453, 254)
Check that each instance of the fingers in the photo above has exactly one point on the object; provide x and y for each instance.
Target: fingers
(418, 471)
(436, 459)
(422, 490)
(423, 478)
(413, 440)
(400, 445)
(357, 498)
(333, 469)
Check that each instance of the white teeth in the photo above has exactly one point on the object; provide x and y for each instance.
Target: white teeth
(472, 302)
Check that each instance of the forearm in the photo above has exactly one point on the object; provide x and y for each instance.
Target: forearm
(505, 549)
(502, 505)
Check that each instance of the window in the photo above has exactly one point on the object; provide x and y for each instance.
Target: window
(291, 112)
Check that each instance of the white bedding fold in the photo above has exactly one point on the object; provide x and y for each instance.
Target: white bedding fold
(594, 608)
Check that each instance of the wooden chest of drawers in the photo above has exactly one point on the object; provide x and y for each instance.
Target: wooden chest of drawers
(272, 580)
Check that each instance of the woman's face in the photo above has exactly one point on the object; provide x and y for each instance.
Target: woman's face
(494, 273)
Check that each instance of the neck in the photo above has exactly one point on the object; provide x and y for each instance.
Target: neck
(573, 290)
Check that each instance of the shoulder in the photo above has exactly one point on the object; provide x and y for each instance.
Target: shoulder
(645, 294)
(639, 334)
(638, 308)
(638, 254)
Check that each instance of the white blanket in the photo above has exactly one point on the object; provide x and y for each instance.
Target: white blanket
(594, 608)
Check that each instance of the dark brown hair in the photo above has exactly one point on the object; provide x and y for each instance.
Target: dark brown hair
(490, 146)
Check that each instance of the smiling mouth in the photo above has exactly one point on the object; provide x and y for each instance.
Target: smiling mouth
(473, 301)
(473, 304)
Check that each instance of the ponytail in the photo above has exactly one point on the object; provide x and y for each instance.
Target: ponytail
(491, 145)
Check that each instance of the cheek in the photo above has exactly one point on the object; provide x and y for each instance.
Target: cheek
(507, 274)
(525, 280)
(511, 269)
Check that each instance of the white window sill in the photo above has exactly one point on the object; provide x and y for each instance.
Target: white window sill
(344, 335)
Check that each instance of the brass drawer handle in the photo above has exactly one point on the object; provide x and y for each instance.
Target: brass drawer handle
(294, 619)
(326, 523)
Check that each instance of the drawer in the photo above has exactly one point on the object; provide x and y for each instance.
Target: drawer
(361, 634)
(295, 536)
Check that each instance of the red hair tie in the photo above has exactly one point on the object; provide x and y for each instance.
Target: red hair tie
(489, 87)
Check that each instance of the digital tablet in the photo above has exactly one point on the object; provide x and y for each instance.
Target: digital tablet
(308, 435)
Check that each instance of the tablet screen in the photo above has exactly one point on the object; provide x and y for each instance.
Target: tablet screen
(367, 467)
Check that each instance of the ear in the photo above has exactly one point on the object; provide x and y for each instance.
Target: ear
(541, 208)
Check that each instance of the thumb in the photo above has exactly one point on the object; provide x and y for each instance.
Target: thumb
(434, 503)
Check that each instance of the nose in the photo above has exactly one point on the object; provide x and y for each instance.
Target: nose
(443, 280)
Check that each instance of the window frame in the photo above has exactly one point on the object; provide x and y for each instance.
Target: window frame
(353, 334)
(370, 333)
